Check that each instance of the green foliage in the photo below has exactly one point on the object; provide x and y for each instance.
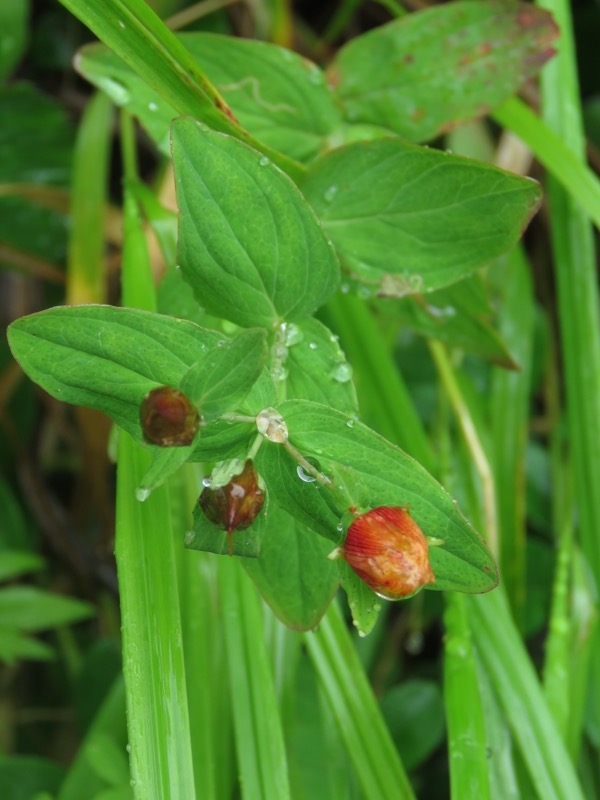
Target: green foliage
(292, 182)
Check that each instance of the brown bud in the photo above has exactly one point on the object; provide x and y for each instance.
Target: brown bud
(386, 549)
(235, 505)
(168, 418)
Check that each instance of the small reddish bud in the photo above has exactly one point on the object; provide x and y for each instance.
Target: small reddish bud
(168, 418)
(235, 505)
(386, 549)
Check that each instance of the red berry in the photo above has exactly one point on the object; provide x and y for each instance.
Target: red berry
(235, 505)
(386, 549)
(168, 418)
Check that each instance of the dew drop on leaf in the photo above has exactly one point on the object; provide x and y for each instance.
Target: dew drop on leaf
(142, 494)
(304, 476)
(264, 161)
(313, 345)
(342, 373)
(330, 194)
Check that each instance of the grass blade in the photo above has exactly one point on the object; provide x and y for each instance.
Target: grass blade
(258, 734)
(464, 710)
(361, 726)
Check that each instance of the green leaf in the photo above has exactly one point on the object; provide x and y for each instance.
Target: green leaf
(373, 472)
(433, 219)
(223, 378)
(249, 244)
(429, 71)
(14, 644)
(31, 609)
(22, 777)
(317, 368)
(107, 358)
(13, 34)
(16, 562)
(414, 712)
(293, 573)
(310, 505)
(364, 603)
(276, 94)
(460, 315)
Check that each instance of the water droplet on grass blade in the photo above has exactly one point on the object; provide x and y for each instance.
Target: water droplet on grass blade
(142, 494)
(330, 194)
(264, 161)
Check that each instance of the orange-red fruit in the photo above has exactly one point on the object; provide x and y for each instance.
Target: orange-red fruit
(168, 418)
(386, 549)
(237, 504)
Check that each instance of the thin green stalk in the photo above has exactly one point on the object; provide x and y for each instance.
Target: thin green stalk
(551, 150)
(361, 726)
(258, 733)
(85, 268)
(469, 776)
(153, 662)
(472, 438)
(137, 35)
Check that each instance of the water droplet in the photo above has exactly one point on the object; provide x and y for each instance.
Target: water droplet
(362, 634)
(282, 373)
(293, 335)
(342, 373)
(350, 423)
(142, 494)
(264, 161)
(153, 106)
(177, 266)
(330, 194)
(128, 747)
(340, 526)
(121, 24)
(272, 425)
(345, 288)
(189, 538)
(313, 345)
(207, 482)
(304, 476)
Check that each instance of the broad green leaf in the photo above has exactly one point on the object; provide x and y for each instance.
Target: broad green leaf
(249, 244)
(13, 33)
(14, 645)
(431, 70)
(277, 95)
(16, 562)
(317, 368)
(406, 219)
(31, 609)
(373, 472)
(107, 358)
(134, 31)
(306, 501)
(293, 573)
(460, 315)
(223, 378)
